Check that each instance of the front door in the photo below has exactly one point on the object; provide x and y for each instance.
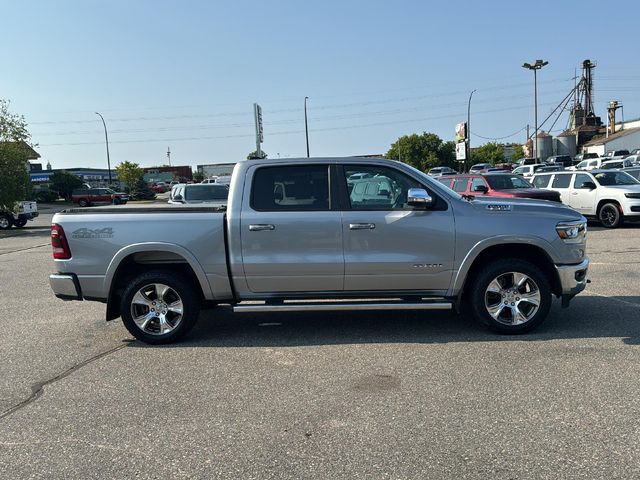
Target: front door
(388, 245)
(291, 238)
(583, 199)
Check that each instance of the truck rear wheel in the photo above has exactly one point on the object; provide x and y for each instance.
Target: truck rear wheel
(159, 307)
(510, 296)
(5, 221)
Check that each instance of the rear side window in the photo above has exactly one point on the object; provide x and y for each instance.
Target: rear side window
(561, 181)
(541, 181)
(460, 185)
(291, 188)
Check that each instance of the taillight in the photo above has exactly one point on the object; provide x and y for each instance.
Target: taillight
(59, 243)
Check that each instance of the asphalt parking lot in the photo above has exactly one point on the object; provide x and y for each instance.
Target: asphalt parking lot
(353, 395)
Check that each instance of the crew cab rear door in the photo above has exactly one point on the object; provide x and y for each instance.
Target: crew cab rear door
(388, 245)
(291, 234)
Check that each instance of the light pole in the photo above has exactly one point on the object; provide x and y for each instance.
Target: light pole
(469, 128)
(535, 67)
(306, 126)
(106, 139)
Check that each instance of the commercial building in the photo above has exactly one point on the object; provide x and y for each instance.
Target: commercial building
(216, 169)
(167, 173)
(93, 176)
(627, 139)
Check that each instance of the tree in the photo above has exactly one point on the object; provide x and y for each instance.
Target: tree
(129, 173)
(141, 191)
(254, 155)
(198, 177)
(423, 151)
(15, 144)
(64, 183)
(491, 152)
(518, 153)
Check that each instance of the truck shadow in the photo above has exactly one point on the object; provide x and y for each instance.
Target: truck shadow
(588, 317)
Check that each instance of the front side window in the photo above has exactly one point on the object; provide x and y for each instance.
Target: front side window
(477, 182)
(581, 179)
(291, 188)
(561, 181)
(384, 189)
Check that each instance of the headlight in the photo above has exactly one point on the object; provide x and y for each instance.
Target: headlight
(632, 195)
(572, 232)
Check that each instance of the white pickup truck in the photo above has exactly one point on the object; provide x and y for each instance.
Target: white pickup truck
(324, 234)
(19, 216)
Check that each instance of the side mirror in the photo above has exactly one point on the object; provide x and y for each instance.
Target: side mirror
(588, 185)
(418, 197)
(481, 188)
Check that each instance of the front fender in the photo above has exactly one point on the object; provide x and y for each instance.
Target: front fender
(471, 256)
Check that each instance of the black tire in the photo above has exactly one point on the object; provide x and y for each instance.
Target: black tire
(480, 298)
(610, 215)
(20, 223)
(5, 221)
(83, 202)
(179, 287)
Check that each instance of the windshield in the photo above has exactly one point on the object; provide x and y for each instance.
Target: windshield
(206, 192)
(506, 182)
(607, 179)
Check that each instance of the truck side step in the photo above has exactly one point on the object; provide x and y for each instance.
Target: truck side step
(339, 306)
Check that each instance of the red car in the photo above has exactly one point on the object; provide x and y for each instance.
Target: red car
(96, 196)
(497, 185)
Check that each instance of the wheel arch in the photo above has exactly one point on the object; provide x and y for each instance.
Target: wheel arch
(135, 259)
(603, 202)
(483, 254)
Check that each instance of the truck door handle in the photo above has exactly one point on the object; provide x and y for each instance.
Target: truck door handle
(574, 193)
(362, 226)
(261, 226)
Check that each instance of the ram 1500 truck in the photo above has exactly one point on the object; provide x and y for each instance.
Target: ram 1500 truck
(328, 234)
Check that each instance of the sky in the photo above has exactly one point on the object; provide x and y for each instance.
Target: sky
(184, 74)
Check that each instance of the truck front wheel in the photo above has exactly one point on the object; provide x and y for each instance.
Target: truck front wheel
(159, 307)
(5, 221)
(510, 296)
(20, 223)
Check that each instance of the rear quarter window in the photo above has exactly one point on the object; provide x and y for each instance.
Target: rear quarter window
(541, 181)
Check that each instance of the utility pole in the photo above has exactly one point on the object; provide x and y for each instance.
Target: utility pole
(169, 155)
(106, 139)
(306, 126)
(535, 67)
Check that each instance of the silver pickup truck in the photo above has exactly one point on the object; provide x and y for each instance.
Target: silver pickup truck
(328, 234)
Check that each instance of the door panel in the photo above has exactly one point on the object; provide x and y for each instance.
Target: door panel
(291, 240)
(582, 199)
(401, 248)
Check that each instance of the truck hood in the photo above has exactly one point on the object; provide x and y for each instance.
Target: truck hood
(525, 206)
(623, 188)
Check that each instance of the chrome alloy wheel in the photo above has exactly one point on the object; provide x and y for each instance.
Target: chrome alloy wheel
(156, 309)
(512, 298)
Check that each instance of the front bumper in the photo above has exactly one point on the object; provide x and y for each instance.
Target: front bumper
(573, 279)
(65, 286)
